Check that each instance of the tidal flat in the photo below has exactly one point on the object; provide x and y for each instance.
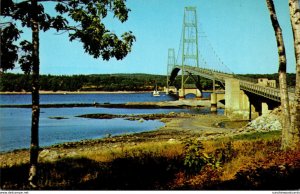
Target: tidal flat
(163, 159)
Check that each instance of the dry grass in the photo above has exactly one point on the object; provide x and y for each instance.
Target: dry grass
(230, 169)
(250, 156)
(246, 162)
(107, 154)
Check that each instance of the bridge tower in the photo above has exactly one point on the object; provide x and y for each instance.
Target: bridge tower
(170, 66)
(189, 46)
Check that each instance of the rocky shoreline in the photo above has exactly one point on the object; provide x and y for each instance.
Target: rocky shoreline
(239, 156)
(178, 127)
(146, 105)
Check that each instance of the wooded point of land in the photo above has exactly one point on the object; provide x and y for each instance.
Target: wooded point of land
(107, 82)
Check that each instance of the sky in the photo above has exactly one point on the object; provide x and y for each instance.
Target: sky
(240, 32)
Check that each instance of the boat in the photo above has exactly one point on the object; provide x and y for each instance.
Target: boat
(156, 92)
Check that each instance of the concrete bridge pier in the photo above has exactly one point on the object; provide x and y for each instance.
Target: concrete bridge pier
(265, 108)
(214, 99)
(236, 101)
(213, 102)
(181, 94)
(184, 92)
(252, 111)
(241, 105)
(170, 90)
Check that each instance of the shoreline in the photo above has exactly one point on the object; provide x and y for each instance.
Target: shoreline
(186, 103)
(177, 127)
(76, 92)
(60, 92)
(120, 162)
(165, 117)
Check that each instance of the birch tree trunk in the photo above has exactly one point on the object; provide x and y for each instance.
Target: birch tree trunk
(295, 21)
(34, 145)
(286, 119)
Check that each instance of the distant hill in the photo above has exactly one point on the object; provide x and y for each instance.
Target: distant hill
(106, 82)
(95, 82)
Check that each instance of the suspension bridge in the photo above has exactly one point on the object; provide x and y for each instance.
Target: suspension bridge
(245, 98)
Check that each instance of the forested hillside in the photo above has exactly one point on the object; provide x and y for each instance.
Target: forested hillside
(105, 82)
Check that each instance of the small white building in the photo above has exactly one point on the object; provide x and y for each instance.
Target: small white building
(267, 83)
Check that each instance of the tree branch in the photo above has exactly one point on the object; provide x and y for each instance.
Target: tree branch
(5, 23)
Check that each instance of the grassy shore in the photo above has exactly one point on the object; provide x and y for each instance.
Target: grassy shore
(189, 152)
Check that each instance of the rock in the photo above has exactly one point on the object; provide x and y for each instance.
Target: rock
(44, 153)
(270, 122)
(48, 155)
(141, 120)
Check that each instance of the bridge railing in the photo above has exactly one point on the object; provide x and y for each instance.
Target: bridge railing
(208, 73)
(247, 84)
(268, 92)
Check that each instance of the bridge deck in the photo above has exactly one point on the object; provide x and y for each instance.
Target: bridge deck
(246, 84)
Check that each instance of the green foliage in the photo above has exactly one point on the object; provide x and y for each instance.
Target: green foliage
(259, 135)
(80, 18)
(8, 48)
(14, 82)
(102, 82)
(194, 157)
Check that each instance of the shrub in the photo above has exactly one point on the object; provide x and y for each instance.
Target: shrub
(194, 159)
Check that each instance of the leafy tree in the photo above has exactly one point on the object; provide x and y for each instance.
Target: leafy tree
(81, 19)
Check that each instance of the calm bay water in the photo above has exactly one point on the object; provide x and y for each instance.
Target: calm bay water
(84, 98)
(15, 122)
